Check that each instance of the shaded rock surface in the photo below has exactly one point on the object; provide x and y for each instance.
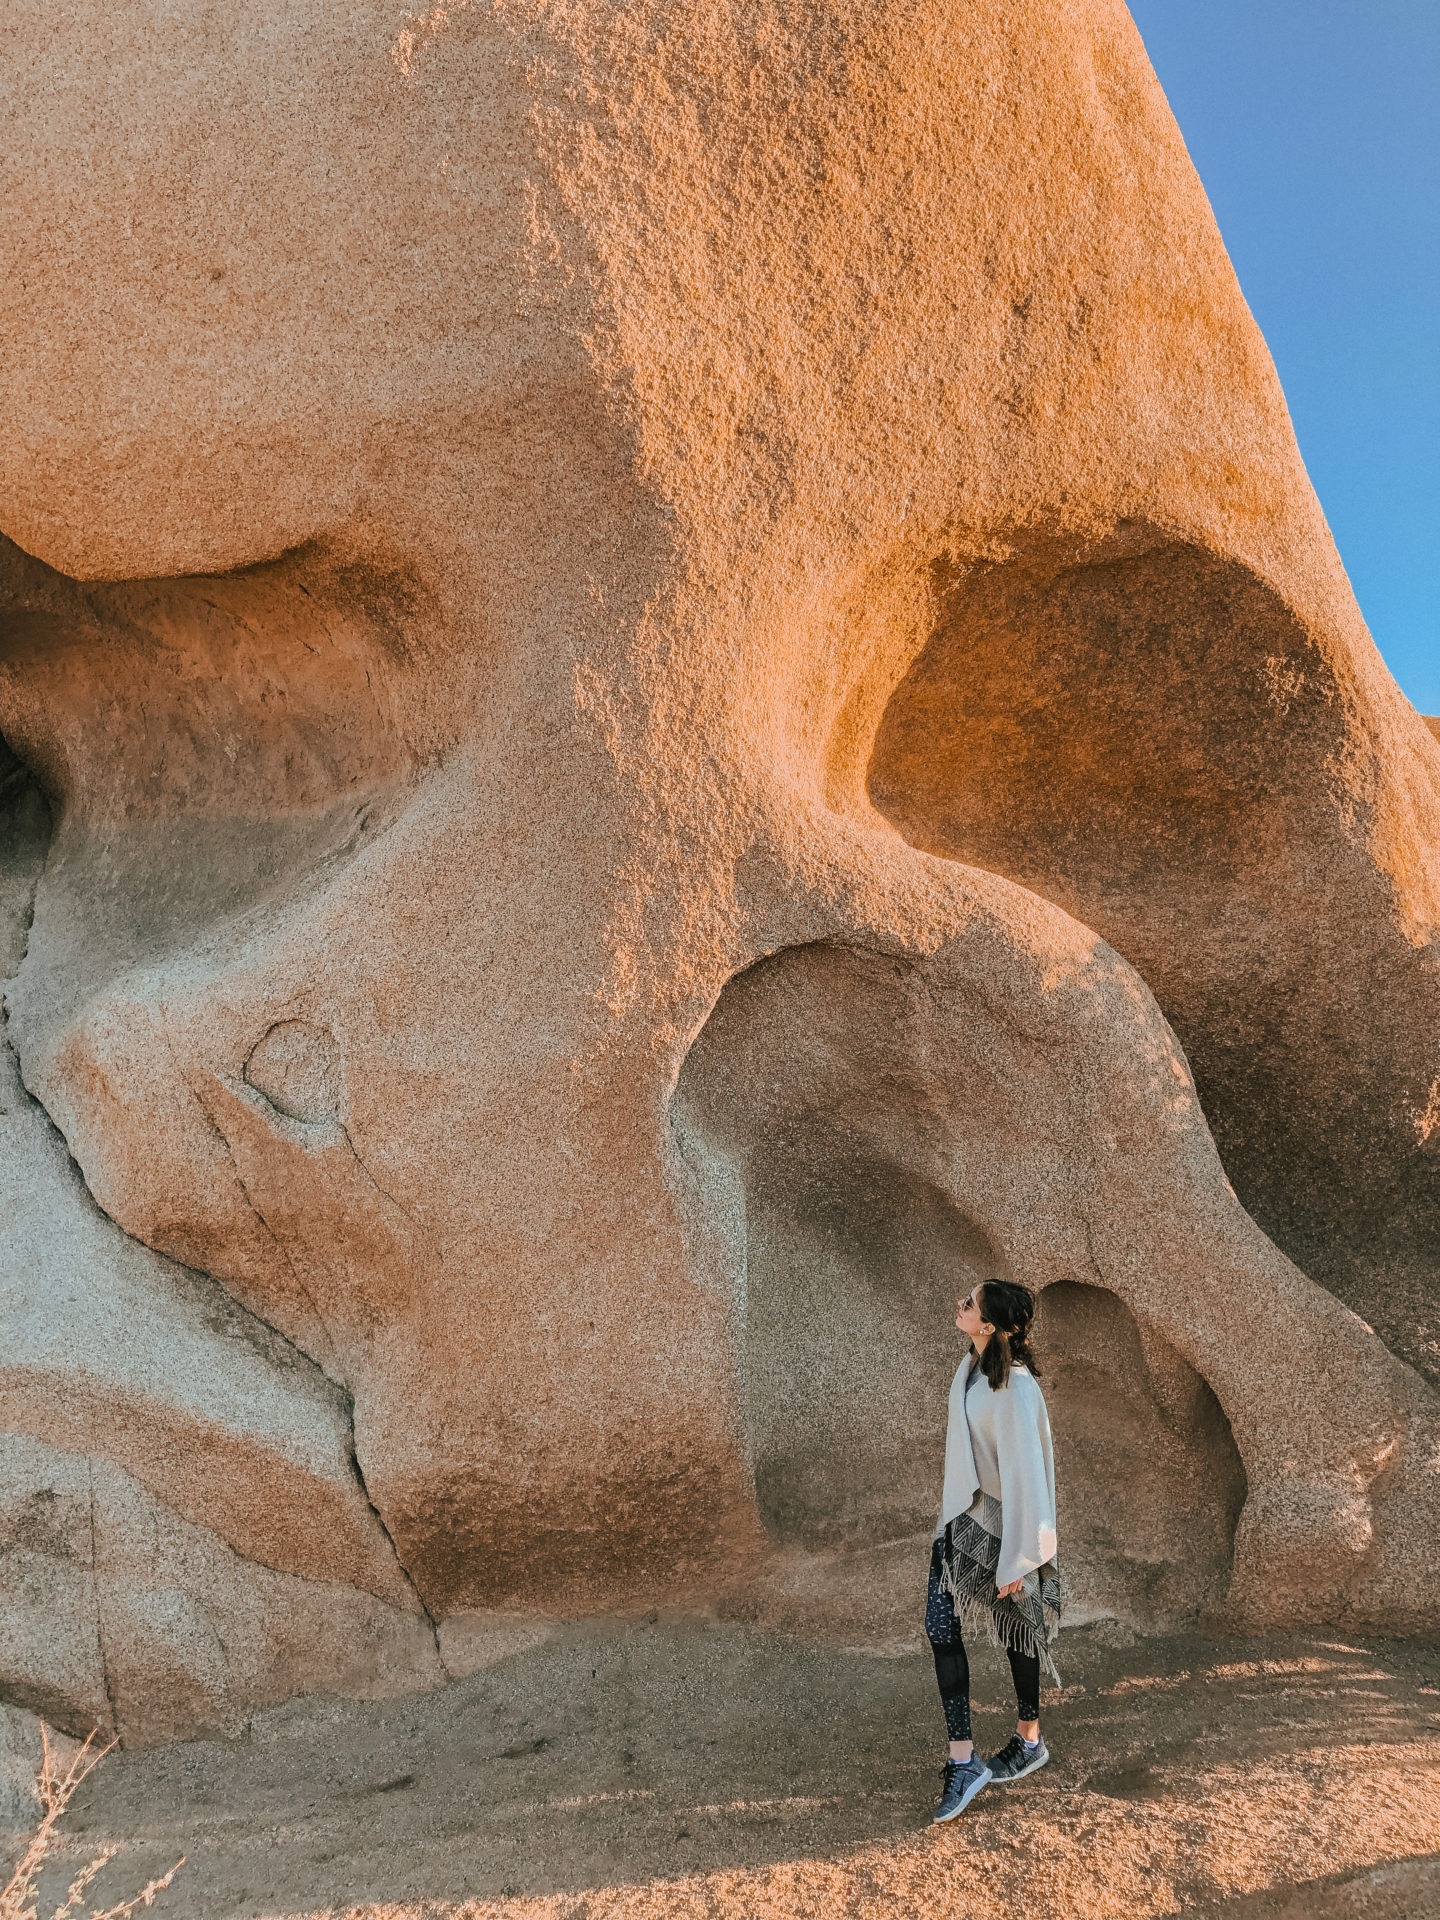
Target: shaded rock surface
(236, 1558)
(670, 678)
(23, 1738)
(122, 1616)
(111, 1346)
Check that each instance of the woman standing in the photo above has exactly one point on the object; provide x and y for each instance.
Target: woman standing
(992, 1565)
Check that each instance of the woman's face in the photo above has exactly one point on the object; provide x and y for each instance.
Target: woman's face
(969, 1318)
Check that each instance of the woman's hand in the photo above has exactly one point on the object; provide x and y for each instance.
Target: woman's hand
(1005, 1592)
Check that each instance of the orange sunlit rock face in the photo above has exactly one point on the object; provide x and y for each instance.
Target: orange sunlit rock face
(672, 683)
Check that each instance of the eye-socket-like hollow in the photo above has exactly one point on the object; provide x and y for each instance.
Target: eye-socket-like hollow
(1147, 734)
(1153, 1482)
(853, 1269)
(847, 1257)
(1107, 727)
(204, 743)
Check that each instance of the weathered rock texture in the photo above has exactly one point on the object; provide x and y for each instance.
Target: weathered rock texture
(661, 659)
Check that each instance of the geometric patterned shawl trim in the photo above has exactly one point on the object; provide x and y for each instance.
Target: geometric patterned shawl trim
(1026, 1621)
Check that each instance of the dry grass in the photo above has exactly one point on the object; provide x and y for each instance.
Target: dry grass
(19, 1899)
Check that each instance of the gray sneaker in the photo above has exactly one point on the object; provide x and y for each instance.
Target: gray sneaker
(962, 1779)
(1015, 1760)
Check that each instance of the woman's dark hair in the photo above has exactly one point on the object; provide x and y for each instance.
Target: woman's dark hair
(1009, 1308)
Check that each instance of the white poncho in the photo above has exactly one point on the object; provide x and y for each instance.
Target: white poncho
(999, 1444)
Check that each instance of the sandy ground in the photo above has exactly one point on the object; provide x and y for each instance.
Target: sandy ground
(674, 1767)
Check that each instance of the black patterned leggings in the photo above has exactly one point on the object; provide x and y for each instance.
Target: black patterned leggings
(952, 1667)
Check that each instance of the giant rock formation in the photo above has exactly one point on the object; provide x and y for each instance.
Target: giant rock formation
(670, 684)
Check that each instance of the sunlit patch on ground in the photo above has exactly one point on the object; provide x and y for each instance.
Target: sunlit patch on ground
(679, 1768)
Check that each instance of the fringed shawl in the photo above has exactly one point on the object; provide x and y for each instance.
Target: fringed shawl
(999, 1443)
(1023, 1622)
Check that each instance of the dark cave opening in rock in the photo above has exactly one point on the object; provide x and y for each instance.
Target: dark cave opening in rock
(828, 1114)
(854, 1267)
(1149, 1480)
(25, 832)
(848, 1262)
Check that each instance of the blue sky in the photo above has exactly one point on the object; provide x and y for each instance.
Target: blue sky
(1315, 127)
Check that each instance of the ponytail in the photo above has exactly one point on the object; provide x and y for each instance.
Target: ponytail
(1010, 1309)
